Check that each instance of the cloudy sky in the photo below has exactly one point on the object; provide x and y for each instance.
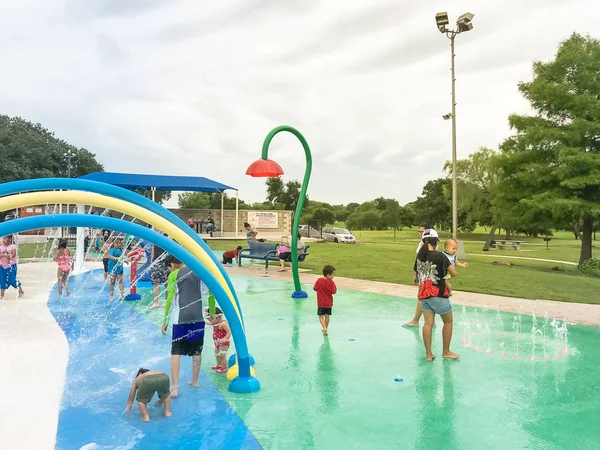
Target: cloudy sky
(188, 87)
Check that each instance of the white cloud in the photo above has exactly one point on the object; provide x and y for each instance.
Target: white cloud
(192, 88)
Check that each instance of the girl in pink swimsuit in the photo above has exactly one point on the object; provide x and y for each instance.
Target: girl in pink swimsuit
(221, 335)
(63, 258)
(8, 267)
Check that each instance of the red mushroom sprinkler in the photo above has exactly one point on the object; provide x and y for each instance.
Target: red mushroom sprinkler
(266, 167)
(134, 255)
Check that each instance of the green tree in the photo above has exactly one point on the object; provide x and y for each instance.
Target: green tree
(159, 196)
(286, 194)
(29, 150)
(275, 190)
(477, 183)
(551, 166)
(326, 215)
(367, 219)
(206, 200)
(433, 205)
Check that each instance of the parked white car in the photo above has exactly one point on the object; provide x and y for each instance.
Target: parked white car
(338, 235)
(308, 231)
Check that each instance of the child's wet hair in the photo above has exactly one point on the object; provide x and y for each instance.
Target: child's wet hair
(448, 242)
(141, 371)
(239, 247)
(171, 260)
(328, 270)
(62, 243)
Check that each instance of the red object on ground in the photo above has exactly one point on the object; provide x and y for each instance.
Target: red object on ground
(135, 256)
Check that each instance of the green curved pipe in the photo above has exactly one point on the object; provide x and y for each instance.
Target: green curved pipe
(298, 213)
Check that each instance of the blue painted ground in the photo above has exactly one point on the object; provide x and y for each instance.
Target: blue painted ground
(108, 342)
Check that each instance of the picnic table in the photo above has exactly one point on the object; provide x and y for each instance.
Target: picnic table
(507, 244)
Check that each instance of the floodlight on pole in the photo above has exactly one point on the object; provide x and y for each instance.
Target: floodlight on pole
(463, 24)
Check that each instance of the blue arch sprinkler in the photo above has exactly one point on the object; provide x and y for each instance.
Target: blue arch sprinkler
(266, 167)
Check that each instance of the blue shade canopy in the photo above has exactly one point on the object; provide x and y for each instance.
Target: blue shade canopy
(158, 182)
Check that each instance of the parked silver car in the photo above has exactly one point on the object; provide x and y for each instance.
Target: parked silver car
(308, 231)
(338, 235)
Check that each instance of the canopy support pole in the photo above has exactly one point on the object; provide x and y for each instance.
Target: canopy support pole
(222, 204)
(153, 190)
(80, 244)
(237, 225)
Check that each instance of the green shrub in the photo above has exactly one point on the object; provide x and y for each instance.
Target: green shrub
(590, 268)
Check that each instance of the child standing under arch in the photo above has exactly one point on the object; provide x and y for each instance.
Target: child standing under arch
(221, 336)
(63, 258)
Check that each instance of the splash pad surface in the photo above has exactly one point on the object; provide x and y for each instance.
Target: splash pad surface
(327, 392)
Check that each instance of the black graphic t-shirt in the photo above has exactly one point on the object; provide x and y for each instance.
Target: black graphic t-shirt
(431, 274)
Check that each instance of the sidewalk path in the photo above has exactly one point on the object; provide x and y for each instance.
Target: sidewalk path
(525, 257)
(34, 354)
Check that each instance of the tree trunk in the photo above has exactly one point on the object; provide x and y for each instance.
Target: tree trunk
(488, 242)
(587, 229)
(576, 231)
(394, 234)
(508, 233)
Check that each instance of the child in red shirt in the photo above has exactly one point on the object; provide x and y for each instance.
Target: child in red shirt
(325, 289)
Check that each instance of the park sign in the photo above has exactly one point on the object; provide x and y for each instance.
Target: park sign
(263, 219)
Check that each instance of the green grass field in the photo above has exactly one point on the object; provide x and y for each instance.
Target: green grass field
(378, 257)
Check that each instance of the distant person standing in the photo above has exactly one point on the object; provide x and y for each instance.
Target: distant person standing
(8, 267)
(192, 222)
(185, 288)
(250, 233)
(325, 288)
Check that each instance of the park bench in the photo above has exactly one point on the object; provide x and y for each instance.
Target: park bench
(266, 251)
(506, 244)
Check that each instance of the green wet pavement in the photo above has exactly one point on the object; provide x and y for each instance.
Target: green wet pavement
(339, 391)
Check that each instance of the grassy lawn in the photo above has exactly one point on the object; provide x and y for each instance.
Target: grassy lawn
(378, 257)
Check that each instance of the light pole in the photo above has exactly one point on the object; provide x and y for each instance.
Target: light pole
(265, 167)
(464, 23)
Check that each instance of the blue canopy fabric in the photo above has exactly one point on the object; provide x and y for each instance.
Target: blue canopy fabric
(158, 182)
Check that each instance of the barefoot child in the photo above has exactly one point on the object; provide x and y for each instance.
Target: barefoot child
(185, 288)
(432, 267)
(450, 247)
(105, 253)
(221, 335)
(146, 383)
(115, 268)
(230, 255)
(325, 288)
(8, 267)
(63, 258)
